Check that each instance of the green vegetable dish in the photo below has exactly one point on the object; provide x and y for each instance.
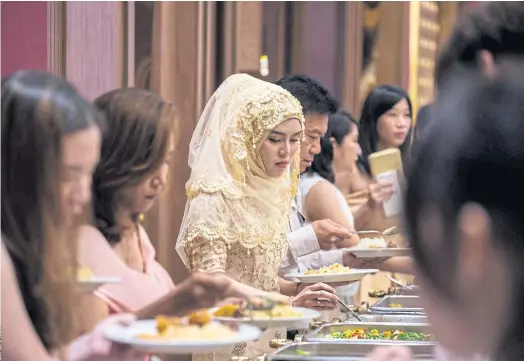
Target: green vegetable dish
(374, 334)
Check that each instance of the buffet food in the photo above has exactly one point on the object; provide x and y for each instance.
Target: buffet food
(197, 326)
(374, 334)
(334, 268)
(240, 311)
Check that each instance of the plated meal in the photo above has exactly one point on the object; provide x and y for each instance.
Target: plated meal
(374, 334)
(89, 282)
(280, 315)
(182, 335)
(197, 326)
(84, 274)
(331, 274)
(238, 311)
(334, 268)
(377, 248)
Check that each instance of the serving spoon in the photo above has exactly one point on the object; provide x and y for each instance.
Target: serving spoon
(398, 282)
(388, 232)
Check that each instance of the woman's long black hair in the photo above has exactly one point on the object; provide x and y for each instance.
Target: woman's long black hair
(380, 100)
(339, 125)
(473, 153)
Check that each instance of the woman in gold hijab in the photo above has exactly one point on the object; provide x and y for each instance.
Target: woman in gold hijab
(244, 174)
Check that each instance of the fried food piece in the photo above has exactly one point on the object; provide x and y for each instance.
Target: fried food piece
(200, 318)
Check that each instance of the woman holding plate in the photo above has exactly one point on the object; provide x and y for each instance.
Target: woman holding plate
(245, 170)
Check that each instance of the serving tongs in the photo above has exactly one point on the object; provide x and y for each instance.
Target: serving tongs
(388, 232)
(346, 309)
(397, 282)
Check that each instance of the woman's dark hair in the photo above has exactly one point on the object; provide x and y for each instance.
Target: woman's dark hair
(38, 110)
(339, 125)
(495, 26)
(474, 154)
(140, 125)
(379, 101)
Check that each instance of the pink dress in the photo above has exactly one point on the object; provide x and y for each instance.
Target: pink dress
(136, 289)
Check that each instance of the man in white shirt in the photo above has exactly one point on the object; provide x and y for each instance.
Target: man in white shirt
(306, 243)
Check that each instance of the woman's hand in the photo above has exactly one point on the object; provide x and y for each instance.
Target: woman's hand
(319, 296)
(380, 192)
(205, 290)
(96, 347)
(392, 353)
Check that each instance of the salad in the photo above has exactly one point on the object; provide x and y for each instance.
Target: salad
(374, 334)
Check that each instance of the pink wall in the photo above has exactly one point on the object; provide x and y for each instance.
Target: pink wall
(24, 36)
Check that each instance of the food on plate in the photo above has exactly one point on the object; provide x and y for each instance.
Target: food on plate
(240, 311)
(197, 326)
(376, 293)
(374, 334)
(334, 268)
(84, 274)
(374, 243)
(395, 305)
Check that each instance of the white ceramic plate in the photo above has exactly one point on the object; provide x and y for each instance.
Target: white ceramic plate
(289, 322)
(353, 275)
(128, 335)
(378, 252)
(93, 283)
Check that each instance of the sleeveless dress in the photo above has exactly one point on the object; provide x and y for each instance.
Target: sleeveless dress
(345, 293)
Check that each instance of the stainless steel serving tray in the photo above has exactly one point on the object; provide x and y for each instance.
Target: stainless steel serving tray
(322, 334)
(391, 318)
(325, 351)
(410, 305)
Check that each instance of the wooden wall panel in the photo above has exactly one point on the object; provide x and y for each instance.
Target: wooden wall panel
(179, 61)
(391, 42)
(242, 26)
(56, 29)
(24, 36)
(274, 38)
(94, 46)
(351, 29)
(248, 33)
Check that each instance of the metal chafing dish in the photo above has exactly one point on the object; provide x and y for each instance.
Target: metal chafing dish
(325, 351)
(322, 334)
(391, 318)
(408, 305)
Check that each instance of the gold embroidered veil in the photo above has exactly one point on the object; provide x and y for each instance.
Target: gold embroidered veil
(230, 196)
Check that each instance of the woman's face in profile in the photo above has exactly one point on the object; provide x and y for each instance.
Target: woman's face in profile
(279, 148)
(80, 154)
(141, 197)
(348, 152)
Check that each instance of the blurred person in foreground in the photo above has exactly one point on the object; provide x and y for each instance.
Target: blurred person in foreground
(464, 205)
(484, 37)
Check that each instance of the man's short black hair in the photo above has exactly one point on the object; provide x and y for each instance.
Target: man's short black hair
(314, 98)
(495, 26)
